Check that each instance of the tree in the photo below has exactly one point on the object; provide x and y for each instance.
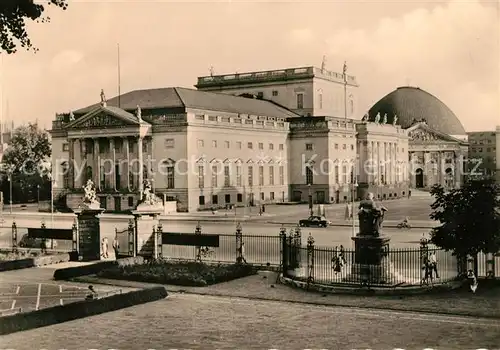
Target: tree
(13, 16)
(24, 163)
(469, 217)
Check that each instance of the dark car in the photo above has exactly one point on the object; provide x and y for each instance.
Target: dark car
(314, 221)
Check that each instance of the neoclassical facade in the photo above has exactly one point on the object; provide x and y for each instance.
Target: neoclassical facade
(255, 138)
(437, 144)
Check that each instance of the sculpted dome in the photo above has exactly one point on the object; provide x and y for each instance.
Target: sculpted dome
(412, 105)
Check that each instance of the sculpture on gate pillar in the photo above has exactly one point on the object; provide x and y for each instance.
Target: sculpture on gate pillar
(371, 217)
(90, 200)
(149, 199)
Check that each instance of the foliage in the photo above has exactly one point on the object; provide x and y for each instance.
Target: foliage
(13, 16)
(26, 162)
(469, 217)
(179, 273)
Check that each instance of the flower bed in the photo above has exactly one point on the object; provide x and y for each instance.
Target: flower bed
(191, 274)
(26, 259)
(8, 255)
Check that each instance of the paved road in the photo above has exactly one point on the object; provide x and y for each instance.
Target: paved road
(202, 322)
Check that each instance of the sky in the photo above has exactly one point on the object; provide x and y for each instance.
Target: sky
(450, 49)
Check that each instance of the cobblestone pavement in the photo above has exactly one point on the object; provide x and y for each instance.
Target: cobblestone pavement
(204, 322)
(484, 303)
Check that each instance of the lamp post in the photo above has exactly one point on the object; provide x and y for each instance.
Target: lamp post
(10, 190)
(353, 196)
(310, 200)
(38, 196)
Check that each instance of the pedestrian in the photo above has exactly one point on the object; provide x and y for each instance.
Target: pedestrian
(104, 247)
(409, 194)
(433, 264)
(116, 247)
(342, 256)
(348, 212)
(241, 252)
(43, 246)
(427, 270)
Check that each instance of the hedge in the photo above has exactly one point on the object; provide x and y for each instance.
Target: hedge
(33, 261)
(79, 309)
(92, 269)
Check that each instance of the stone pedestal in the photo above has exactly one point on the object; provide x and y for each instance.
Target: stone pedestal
(370, 261)
(146, 221)
(89, 247)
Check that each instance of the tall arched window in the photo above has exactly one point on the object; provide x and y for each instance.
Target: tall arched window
(88, 173)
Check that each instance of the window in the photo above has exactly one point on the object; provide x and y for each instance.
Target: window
(88, 173)
(200, 143)
(226, 144)
(65, 147)
(261, 175)
(271, 175)
(275, 92)
(262, 196)
(300, 101)
(352, 147)
(336, 146)
(250, 176)
(66, 175)
(320, 101)
(281, 147)
(309, 146)
(260, 94)
(215, 199)
(239, 198)
(227, 198)
(238, 144)
(282, 175)
(169, 143)
(250, 145)
(271, 147)
(344, 146)
(118, 145)
(214, 176)
(130, 201)
(102, 176)
(227, 177)
(238, 175)
(170, 176)
(145, 147)
(201, 176)
(201, 200)
(336, 175)
(309, 175)
(261, 145)
(214, 143)
(271, 196)
(344, 174)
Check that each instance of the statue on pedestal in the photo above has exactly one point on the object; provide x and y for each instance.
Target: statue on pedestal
(138, 113)
(371, 217)
(90, 200)
(384, 121)
(377, 118)
(149, 200)
(395, 120)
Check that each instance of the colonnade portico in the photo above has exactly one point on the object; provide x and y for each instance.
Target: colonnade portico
(384, 167)
(116, 156)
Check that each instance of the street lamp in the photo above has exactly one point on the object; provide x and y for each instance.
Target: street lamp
(310, 199)
(10, 191)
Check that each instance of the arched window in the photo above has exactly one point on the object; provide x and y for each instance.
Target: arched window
(88, 173)
(66, 174)
(351, 106)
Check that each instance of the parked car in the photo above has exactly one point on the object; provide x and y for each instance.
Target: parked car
(28, 242)
(314, 221)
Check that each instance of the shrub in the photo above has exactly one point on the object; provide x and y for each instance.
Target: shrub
(192, 274)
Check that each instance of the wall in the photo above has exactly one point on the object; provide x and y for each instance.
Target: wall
(497, 155)
(218, 144)
(58, 157)
(286, 93)
(333, 99)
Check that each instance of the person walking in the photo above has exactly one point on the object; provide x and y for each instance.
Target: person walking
(433, 264)
(116, 247)
(104, 247)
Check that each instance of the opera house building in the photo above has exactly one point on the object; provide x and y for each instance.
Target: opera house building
(256, 138)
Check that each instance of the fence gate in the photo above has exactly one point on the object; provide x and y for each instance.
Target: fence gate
(126, 240)
(45, 233)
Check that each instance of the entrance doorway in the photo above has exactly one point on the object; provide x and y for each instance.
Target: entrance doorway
(419, 178)
(251, 200)
(320, 197)
(297, 196)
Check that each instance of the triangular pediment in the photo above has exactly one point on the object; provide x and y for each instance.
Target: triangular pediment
(105, 117)
(422, 133)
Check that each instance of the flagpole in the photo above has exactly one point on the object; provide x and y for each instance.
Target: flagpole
(345, 89)
(119, 74)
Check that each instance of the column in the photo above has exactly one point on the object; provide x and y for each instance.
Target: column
(127, 167)
(113, 166)
(71, 162)
(97, 165)
(79, 165)
(439, 169)
(458, 170)
(141, 165)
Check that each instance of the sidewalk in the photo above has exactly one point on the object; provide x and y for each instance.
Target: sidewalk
(263, 287)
